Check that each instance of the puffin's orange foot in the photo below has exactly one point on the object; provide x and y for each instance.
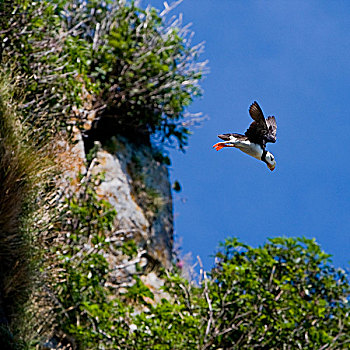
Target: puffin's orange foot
(218, 146)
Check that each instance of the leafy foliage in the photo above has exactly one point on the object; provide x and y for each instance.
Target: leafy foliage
(283, 295)
(35, 51)
(79, 288)
(173, 323)
(94, 59)
(151, 79)
(91, 308)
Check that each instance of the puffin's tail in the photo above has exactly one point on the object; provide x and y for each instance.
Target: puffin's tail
(228, 137)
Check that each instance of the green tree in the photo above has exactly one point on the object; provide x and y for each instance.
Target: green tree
(283, 295)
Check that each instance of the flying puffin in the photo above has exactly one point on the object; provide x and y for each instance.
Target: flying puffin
(253, 142)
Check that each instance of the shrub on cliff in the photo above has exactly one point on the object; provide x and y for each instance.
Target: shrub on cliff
(81, 61)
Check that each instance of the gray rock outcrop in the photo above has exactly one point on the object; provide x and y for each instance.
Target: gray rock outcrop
(137, 186)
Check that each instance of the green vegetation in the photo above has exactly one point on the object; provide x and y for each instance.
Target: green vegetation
(78, 61)
(83, 308)
(21, 174)
(283, 295)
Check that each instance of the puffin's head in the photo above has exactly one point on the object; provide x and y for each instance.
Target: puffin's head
(270, 161)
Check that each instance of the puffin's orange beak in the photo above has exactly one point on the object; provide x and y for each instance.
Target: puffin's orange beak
(218, 146)
(272, 168)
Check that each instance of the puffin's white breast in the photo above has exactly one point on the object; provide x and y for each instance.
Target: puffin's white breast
(248, 147)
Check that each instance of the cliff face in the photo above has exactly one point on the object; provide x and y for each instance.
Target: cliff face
(138, 188)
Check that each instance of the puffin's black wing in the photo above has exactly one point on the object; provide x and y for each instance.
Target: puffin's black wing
(257, 130)
(257, 114)
(261, 130)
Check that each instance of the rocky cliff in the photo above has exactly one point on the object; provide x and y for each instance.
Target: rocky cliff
(137, 186)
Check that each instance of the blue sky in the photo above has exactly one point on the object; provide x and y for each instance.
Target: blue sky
(293, 57)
